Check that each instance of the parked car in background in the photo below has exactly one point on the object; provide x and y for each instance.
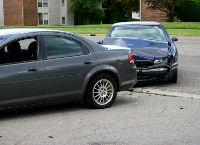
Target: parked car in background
(155, 54)
(42, 67)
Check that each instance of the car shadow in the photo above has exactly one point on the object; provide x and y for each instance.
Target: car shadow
(37, 111)
(121, 100)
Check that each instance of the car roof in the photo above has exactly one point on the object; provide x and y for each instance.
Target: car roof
(21, 30)
(145, 23)
(11, 32)
(6, 33)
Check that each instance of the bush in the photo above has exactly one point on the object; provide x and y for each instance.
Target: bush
(190, 11)
(97, 16)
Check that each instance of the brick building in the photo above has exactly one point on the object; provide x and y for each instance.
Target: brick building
(19, 12)
(151, 15)
(35, 12)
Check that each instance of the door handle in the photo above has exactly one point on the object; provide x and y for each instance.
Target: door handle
(88, 61)
(33, 69)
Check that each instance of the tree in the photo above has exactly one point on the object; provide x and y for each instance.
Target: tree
(97, 16)
(133, 5)
(121, 9)
(83, 8)
(189, 11)
(167, 6)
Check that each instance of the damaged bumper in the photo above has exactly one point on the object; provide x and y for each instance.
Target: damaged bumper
(155, 72)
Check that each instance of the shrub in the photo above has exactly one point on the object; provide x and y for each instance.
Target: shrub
(97, 16)
(190, 11)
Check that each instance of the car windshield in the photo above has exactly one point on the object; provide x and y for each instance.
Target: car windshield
(142, 32)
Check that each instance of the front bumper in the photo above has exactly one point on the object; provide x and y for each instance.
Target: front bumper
(155, 72)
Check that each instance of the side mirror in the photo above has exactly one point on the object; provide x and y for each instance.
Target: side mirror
(100, 41)
(174, 39)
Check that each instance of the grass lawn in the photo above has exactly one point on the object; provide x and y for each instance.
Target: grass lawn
(173, 28)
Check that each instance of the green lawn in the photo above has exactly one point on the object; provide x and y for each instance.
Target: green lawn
(173, 28)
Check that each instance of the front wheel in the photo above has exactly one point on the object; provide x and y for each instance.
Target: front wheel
(101, 92)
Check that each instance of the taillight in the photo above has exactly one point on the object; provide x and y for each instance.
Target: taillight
(130, 57)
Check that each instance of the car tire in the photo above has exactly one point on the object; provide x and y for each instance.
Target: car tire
(174, 77)
(101, 92)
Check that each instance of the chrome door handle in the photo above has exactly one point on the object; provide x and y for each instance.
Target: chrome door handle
(33, 69)
(88, 62)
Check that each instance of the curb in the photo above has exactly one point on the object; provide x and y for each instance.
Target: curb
(166, 93)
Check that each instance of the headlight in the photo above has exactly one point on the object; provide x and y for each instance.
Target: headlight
(160, 61)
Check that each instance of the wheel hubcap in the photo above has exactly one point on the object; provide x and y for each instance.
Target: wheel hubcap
(103, 92)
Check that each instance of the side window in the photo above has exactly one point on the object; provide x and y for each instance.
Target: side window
(62, 47)
(19, 51)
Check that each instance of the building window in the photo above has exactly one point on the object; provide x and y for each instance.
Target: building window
(40, 17)
(43, 18)
(63, 3)
(45, 3)
(46, 19)
(39, 3)
(42, 3)
(63, 20)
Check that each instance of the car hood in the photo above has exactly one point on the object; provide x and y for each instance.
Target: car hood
(142, 49)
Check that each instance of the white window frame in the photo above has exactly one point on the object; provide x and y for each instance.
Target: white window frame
(43, 19)
(43, 4)
(63, 20)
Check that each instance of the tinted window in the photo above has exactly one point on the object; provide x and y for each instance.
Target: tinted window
(19, 51)
(62, 47)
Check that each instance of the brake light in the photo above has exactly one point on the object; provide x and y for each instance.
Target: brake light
(130, 57)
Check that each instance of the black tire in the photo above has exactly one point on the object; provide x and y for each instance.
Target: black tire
(174, 77)
(101, 92)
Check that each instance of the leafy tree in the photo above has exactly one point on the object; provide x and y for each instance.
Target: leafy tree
(189, 11)
(167, 6)
(83, 8)
(97, 16)
(133, 5)
(122, 9)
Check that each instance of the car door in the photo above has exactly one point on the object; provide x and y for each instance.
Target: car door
(21, 79)
(67, 63)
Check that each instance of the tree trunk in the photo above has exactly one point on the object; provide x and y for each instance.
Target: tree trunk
(170, 16)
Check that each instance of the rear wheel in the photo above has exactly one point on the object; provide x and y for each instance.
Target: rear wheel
(101, 92)
(174, 77)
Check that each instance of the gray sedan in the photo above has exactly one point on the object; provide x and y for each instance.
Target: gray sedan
(42, 67)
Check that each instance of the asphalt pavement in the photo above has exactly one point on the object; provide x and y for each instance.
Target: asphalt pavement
(134, 119)
(158, 113)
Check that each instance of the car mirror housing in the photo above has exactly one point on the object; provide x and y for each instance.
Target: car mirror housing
(174, 39)
(100, 41)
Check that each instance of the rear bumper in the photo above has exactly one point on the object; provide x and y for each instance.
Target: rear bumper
(129, 79)
(127, 85)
